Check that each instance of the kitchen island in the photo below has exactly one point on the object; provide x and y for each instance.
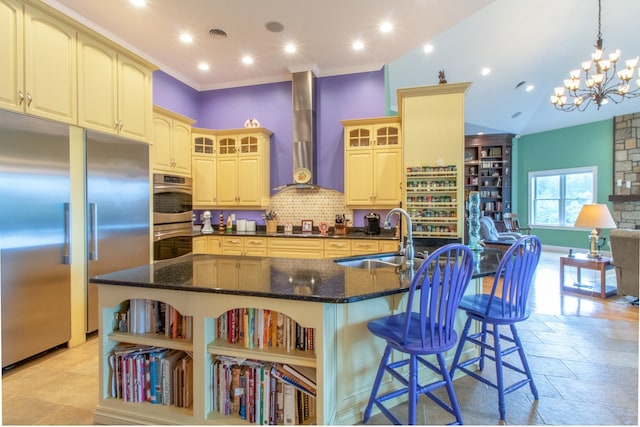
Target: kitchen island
(335, 301)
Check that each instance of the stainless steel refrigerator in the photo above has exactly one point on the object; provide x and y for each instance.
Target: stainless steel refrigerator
(34, 236)
(118, 209)
(35, 226)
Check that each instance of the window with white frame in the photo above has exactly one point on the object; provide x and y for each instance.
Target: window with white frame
(556, 196)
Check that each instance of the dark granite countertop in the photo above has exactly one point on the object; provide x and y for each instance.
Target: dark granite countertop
(320, 280)
(384, 235)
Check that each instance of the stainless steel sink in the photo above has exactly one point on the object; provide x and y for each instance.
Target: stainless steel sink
(374, 261)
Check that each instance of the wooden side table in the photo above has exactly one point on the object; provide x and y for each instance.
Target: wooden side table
(580, 261)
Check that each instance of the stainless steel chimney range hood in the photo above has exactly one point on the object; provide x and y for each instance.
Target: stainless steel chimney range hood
(304, 132)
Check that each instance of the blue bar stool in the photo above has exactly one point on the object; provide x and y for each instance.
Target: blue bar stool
(505, 305)
(438, 286)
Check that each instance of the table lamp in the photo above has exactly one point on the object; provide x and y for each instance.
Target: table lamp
(595, 216)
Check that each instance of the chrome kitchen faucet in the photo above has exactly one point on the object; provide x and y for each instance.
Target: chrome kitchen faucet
(407, 251)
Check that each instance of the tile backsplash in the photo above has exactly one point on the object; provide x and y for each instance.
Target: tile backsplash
(292, 206)
(320, 204)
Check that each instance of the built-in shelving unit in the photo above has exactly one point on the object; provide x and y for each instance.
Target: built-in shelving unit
(206, 346)
(487, 169)
(432, 201)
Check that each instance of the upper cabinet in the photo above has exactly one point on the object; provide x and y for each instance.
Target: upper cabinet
(372, 162)
(39, 63)
(114, 94)
(242, 167)
(203, 168)
(171, 149)
(54, 67)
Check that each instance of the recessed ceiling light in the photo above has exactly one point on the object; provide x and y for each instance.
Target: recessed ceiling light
(290, 48)
(428, 48)
(386, 27)
(186, 38)
(485, 71)
(138, 3)
(203, 66)
(358, 45)
(247, 60)
(529, 88)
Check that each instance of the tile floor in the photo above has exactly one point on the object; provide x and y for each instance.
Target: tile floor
(583, 352)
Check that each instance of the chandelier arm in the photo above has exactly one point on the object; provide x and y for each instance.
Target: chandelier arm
(598, 93)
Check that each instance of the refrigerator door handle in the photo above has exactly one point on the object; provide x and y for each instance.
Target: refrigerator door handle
(93, 232)
(66, 251)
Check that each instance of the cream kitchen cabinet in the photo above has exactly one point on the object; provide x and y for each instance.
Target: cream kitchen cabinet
(172, 142)
(207, 244)
(296, 247)
(38, 66)
(244, 245)
(349, 247)
(372, 162)
(114, 92)
(337, 248)
(203, 169)
(242, 167)
(364, 247)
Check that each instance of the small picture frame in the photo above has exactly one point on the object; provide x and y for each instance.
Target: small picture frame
(307, 226)
(288, 228)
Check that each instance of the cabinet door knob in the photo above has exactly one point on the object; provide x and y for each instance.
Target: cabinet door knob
(21, 97)
(29, 99)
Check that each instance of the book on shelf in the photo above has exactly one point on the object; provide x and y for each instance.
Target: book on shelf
(141, 374)
(292, 380)
(262, 329)
(289, 410)
(256, 391)
(155, 317)
(297, 373)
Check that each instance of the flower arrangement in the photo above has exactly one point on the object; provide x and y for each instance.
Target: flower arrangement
(270, 214)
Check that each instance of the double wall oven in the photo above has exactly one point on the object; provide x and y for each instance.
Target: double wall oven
(172, 216)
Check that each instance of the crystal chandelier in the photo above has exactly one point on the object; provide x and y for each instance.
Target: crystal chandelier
(600, 85)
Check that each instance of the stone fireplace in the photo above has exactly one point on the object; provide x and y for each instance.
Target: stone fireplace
(626, 167)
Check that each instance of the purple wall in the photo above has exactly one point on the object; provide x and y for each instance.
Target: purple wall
(270, 104)
(350, 96)
(175, 96)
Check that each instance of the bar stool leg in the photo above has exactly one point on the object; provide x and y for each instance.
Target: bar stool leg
(376, 384)
(450, 391)
(499, 375)
(413, 383)
(523, 359)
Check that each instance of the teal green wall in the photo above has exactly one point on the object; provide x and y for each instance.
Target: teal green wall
(578, 146)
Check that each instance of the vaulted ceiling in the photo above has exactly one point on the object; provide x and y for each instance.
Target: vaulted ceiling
(533, 41)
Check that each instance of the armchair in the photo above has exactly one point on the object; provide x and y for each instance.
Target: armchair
(489, 233)
(512, 224)
(625, 251)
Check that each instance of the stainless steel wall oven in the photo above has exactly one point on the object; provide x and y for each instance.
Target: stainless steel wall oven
(172, 216)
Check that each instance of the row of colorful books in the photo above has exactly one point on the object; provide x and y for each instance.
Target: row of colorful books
(260, 328)
(262, 393)
(156, 317)
(140, 373)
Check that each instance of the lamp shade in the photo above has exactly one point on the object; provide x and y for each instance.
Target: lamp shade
(595, 216)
